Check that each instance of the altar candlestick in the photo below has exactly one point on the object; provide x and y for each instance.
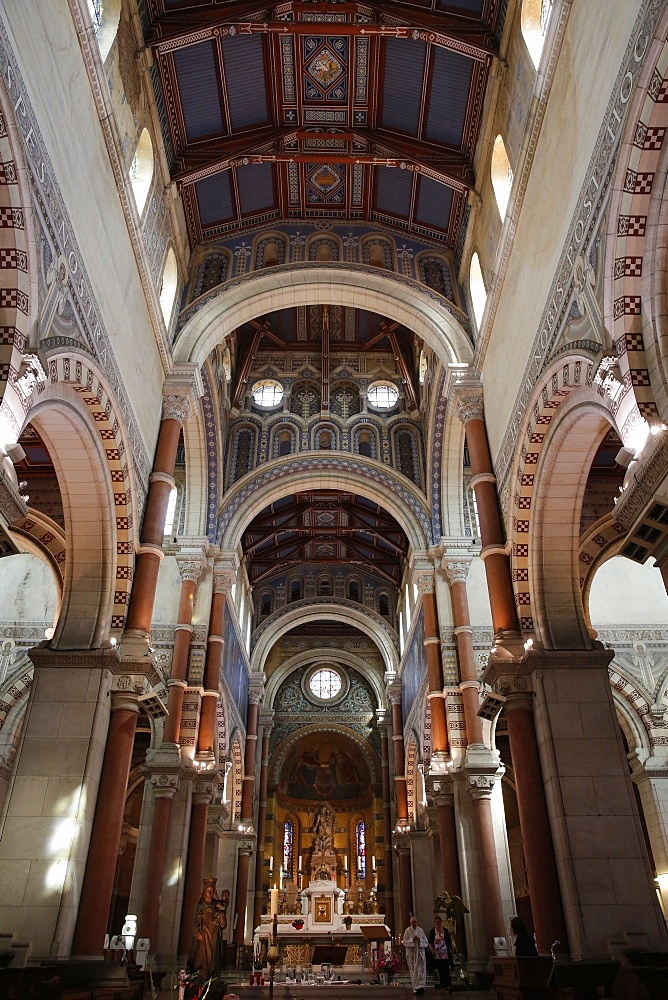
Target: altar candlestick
(274, 900)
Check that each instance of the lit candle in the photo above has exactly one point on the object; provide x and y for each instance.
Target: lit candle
(274, 900)
(373, 862)
(300, 863)
(345, 861)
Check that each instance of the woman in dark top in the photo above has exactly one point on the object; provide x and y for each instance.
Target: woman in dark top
(440, 947)
(525, 944)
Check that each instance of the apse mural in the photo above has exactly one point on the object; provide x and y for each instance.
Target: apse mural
(323, 773)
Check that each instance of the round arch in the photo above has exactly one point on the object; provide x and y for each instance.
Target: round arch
(429, 315)
(282, 672)
(299, 473)
(78, 419)
(285, 748)
(302, 612)
(562, 476)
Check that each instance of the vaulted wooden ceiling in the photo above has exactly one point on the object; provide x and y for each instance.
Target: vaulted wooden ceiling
(324, 527)
(323, 110)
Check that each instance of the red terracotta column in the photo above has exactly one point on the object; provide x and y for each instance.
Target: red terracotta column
(105, 838)
(483, 481)
(266, 722)
(388, 870)
(481, 764)
(447, 832)
(175, 411)
(243, 864)
(542, 878)
(432, 648)
(204, 758)
(165, 765)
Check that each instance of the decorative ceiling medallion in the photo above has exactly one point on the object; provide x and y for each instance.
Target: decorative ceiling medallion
(325, 68)
(325, 179)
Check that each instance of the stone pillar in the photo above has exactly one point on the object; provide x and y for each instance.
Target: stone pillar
(98, 883)
(179, 403)
(401, 843)
(481, 764)
(266, 723)
(205, 760)
(256, 690)
(539, 856)
(202, 793)
(388, 869)
(165, 764)
(424, 580)
(468, 399)
(650, 776)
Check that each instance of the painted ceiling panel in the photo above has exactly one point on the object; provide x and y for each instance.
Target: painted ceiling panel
(393, 193)
(198, 86)
(256, 189)
(449, 96)
(465, 6)
(214, 197)
(402, 91)
(434, 203)
(243, 65)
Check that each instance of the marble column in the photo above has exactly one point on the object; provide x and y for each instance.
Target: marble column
(483, 481)
(384, 725)
(205, 760)
(401, 843)
(165, 764)
(178, 405)
(424, 580)
(512, 680)
(481, 764)
(266, 723)
(255, 693)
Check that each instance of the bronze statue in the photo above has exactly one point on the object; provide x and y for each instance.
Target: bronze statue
(206, 948)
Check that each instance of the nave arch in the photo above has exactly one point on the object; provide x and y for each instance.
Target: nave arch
(400, 299)
(343, 656)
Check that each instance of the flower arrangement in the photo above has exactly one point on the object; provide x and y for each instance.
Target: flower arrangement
(347, 921)
(388, 964)
(297, 923)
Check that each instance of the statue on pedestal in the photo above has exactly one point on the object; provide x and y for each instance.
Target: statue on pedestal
(206, 948)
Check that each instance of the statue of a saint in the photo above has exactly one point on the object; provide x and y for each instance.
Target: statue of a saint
(323, 827)
(206, 948)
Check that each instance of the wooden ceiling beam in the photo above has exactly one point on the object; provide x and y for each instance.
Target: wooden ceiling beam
(170, 34)
(404, 371)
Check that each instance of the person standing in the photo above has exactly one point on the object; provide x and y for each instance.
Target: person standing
(525, 942)
(440, 946)
(415, 943)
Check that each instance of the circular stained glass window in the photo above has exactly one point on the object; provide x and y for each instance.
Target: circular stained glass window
(325, 683)
(382, 395)
(267, 393)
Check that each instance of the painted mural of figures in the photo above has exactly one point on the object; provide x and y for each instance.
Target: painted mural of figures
(206, 948)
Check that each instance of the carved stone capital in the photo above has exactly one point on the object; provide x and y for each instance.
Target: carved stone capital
(165, 786)
(466, 397)
(202, 790)
(256, 688)
(31, 374)
(394, 690)
(424, 581)
(164, 768)
(191, 567)
(181, 393)
(456, 571)
(480, 786)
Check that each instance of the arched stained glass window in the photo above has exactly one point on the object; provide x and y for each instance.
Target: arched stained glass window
(288, 848)
(360, 843)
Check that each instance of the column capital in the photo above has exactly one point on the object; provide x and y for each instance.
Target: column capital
(422, 571)
(256, 688)
(164, 768)
(181, 392)
(225, 570)
(191, 565)
(266, 719)
(384, 720)
(202, 790)
(394, 690)
(466, 396)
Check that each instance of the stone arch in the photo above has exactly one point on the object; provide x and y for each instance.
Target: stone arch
(599, 544)
(76, 416)
(565, 377)
(317, 609)
(296, 473)
(221, 749)
(633, 709)
(345, 656)
(554, 538)
(429, 315)
(43, 537)
(435, 270)
(19, 269)
(636, 258)
(320, 244)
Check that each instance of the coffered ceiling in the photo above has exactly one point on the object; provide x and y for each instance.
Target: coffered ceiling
(367, 112)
